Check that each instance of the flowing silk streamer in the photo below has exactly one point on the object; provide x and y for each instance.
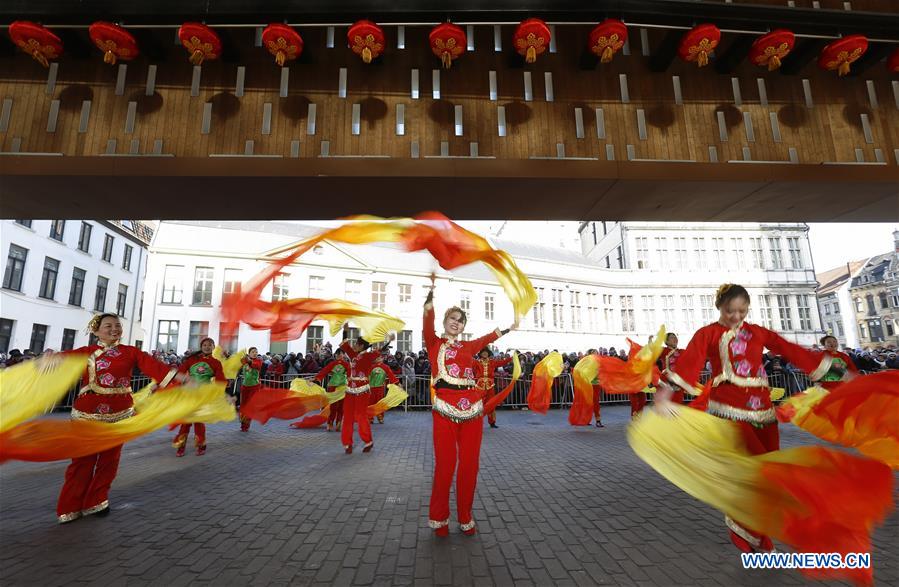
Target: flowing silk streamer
(494, 402)
(281, 404)
(230, 365)
(395, 396)
(635, 374)
(813, 498)
(545, 372)
(862, 414)
(52, 439)
(585, 371)
(32, 388)
(305, 387)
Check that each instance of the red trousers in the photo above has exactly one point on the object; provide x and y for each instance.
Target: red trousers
(87, 482)
(354, 413)
(184, 432)
(336, 413)
(488, 395)
(597, 395)
(638, 402)
(455, 444)
(245, 394)
(377, 394)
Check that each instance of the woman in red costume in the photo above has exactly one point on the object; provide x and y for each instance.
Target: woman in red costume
(667, 360)
(485, 376)
(458, 411)
(250, 382)
(105, 396)
(202, 367)
(358, 394)
(739, 385)
(339, 370)
(841, 369)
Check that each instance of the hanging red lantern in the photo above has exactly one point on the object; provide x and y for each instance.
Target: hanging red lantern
(448, 42)
(283, 42)
(115, 42)
(531, 38)
(607, 38)
(699, 43)
(893, 62)
(36, 40)
(842, 53)
(201, 42)
(366, 39)
(770, 49)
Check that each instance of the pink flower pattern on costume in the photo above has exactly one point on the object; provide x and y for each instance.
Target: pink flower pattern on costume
(464, 403)
(738, 346)
(113, 352)
(761, 372)
(469, 374)
(744, 368)
(124, 382)
(103, 409)
(107, 380)
(744, 335)
(755, 402)
(102, 364)
(453, 370)
(451, 353)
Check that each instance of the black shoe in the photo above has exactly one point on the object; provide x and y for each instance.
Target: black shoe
(103, 513)
(493, 425)
(599, 424)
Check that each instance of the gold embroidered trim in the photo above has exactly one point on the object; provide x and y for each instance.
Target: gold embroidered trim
(92, 384)
(467, 527)
(727, 369)
(485, 382)
(438, 523)
(441, 369)
(741, 532)
(97, 508)
(823, 368)
(357, 390)
(455, 414)
(168, 378)
(680, 382)
(731, 413)
(109, 418)
(70, 517)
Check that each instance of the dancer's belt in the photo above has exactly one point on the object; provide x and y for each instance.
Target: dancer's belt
(441, 384)
(357, 390)
(109, 417)
(459, 414)
(729, 412)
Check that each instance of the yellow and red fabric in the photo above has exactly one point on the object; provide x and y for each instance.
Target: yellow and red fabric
(698, 44)
(201, 42)
(366, 39)
(282, 41)
(545, 372)
(842, 53)
(115, 42)
(582, 407)
(230, 365)
(497, 399)
(531, 39)
(36, 40)
(635, 374)
(814, 499)
(448, 42)
(770, 49)
(607, 38)
(31, 388)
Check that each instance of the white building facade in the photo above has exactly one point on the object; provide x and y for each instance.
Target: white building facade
(580, 305)
(59, 273)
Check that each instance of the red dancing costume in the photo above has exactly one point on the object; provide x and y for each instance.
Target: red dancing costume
(249, 385)
(378, 378)
(458, 409)
(667, 360)
(105, 396)
(597, 395)
(338, 370)
(840, 365)
(201, 368)
(739, 390)
(357, 397)
(485, 376)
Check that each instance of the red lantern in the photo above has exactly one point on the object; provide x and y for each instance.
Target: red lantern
(114, 41)
(770, 49)
(893, 62)
(37, 41)
(531, 38)
(283, 42)
(366, 39)
(699, 43)
(448, 42)
(200, 41)
(607, 38)
(842, 53)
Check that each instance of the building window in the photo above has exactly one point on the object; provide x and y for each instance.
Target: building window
(894, 298)
(167, 338)
(608, 312)
(38, 338)
(839, 326)
(465, 337)
(76, 291)
(354, 333)
(699, 248)
(648, 304)
(642, 252)
(805, 312)
(889, 326)
(783, 307)
(15, 267)
(100, 296)
(107, 248)
(558, 318)
(5, 334)
(540, 309)
(378, 295)
(126, 258)
(48, 278)
(668, 313)
(84, 238)
(92, 339)
(718, 253)
(352, 290)
(777, 261)
(404, 341)
(593, 228)
(232, 282)
(198, 331)
(203, 286)
(871, 310)
(316, 286)
(465, 301)
(593, 312)
(619, 257)
(122, 300)
(859, 307)
(280, 288)
(140, 308)
(795, 252)
(680, 253)
(766, 311)
(315, 336)
(68, 340)
(576, 323)
(228, 336)
(628, 324)
(172, 284)
(139, 344)
(708, 309)
(757, 253)
(827, 309)
(738, 254)
(25, 223)
(883, 300)
(689, 312)
(489, 301)
(405, 293)
(57, 229)
(661, 244)
(862, 330)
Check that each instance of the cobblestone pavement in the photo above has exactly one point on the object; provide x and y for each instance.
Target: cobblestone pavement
(277, 506)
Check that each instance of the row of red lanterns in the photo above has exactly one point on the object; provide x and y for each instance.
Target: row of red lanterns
(448, 41)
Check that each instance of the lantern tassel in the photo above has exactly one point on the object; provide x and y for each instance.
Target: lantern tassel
(702, 59)
(843, 69)
(197, 57)
(366, 55)
(40, 58)
(607, 55)
(109, 58)
(280, 58)
(773, 63)
(447, 60)
(531, 55)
